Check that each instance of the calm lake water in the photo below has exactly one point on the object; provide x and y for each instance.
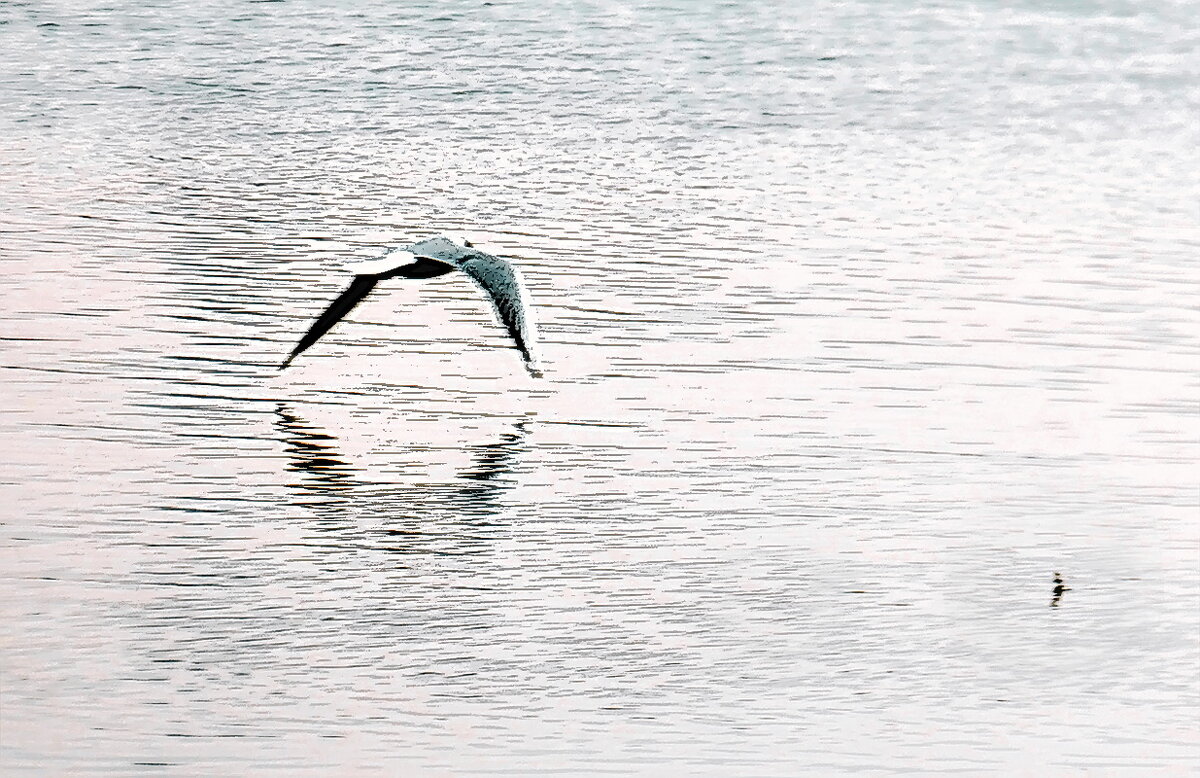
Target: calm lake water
(860, 320)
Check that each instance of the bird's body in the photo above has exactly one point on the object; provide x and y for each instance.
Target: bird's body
(427, 259)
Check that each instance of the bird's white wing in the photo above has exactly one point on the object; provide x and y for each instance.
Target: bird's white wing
(392, 260)
(440, 248)
(503, 285)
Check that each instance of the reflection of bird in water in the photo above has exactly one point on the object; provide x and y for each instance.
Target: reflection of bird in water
(494, 459)
(1059, 588)
(312, 452)
(427, 259)
(475, 492)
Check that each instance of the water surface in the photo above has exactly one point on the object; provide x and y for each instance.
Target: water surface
(861, 321)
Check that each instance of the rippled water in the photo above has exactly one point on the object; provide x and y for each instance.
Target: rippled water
(861, 321)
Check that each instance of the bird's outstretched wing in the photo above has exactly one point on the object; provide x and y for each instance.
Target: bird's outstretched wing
(359, 288)
(395, 263)
(503, 285)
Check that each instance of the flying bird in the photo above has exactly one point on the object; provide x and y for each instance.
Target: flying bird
(427, 259)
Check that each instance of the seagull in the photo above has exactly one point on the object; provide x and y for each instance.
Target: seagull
(427, 259)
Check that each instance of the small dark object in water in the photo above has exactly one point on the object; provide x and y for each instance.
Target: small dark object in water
(1059, 588)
